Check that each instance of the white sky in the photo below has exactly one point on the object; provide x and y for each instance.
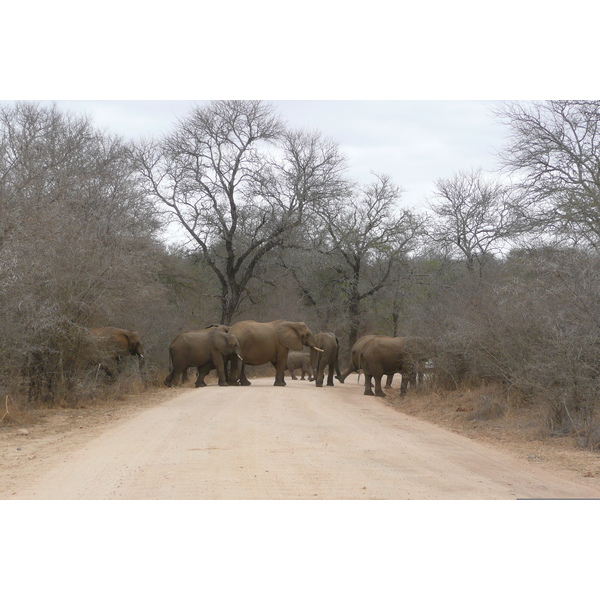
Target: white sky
(416, 142)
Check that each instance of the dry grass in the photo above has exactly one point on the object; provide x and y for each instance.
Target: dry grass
(10, 412)
(89, 393)
(486, 414)
(95, 399)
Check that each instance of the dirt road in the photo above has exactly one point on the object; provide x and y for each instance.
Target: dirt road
(297, 442)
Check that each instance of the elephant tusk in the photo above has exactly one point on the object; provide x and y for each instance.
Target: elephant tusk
(317, 349)
(240, 357)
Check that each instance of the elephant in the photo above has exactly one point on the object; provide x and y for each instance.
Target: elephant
(330, 345)
(203, 371)
(300, 360)
(204, 349)
(383, 355)
(262, 343)
(354, 365)
(115, 344)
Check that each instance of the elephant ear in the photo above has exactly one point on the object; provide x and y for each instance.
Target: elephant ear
(133, 342)
(129, 336)
(288, 336)
(220, 341)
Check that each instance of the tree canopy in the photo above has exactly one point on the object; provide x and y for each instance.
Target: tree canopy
(238, 182)
(553, 149)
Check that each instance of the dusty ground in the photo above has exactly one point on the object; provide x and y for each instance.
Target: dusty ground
(298, 442)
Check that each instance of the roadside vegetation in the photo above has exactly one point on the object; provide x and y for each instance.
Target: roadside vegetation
(500, 269)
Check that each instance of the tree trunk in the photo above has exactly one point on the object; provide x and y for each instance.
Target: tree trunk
(354, 305)
(353, 317)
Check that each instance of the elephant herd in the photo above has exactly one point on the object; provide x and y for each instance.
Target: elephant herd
(228, 349)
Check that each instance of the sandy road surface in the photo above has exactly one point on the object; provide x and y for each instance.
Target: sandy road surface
(297, 442)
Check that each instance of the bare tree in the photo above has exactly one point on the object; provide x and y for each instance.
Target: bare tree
(365, 235)
(554, 147)
(238, 183)
(76, 246)
(475, 217)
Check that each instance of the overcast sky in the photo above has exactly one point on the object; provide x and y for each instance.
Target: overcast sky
(416, 142)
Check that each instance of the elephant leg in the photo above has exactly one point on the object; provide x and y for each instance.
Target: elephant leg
(174, 376)
(220, 366)
(226, 367)
(293, 375)
(388, 383)
(280, 371)
(202, 372)
(318, 372)
(330, 375)
(235, 367)
(243, 378)
(368, 389)
(378, 391)
(169, 378)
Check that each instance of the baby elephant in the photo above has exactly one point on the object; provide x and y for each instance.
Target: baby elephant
(205, 349)
(300, 360)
